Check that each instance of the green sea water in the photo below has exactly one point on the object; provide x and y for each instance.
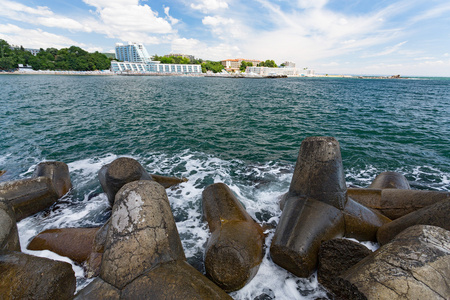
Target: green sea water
(244, 132)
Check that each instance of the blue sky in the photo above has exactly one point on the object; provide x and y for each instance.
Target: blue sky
(407, 37)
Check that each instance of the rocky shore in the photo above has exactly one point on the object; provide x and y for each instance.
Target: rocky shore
(137, 253)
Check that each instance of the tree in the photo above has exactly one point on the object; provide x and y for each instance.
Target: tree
(7, 63)
(244, 65)
(214, 66)
(268, 63)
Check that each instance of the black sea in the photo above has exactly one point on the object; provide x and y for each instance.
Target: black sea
(243, 132)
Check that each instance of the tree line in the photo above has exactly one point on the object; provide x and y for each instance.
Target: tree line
(65, 59)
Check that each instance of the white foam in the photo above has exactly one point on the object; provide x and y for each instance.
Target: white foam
(257, 186)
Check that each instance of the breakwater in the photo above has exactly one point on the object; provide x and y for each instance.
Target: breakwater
(243, 133)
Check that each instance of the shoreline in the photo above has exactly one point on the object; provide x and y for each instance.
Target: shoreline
(217, 75)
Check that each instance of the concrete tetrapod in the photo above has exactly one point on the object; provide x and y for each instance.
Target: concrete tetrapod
(75, 243)
(142, 243)
(9, 235)
(58, 172)
(317, 208)
(235, 248)
(395, 203)
(121, 171)
(390, 180)
(28, 196)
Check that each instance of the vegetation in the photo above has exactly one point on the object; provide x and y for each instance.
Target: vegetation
(268, 63)
(214, 66)
(177, 60)
(244, 65)
(73, 58)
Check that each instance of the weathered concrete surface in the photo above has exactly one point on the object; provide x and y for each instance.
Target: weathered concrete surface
(98, 289)
(167, 181)
(235, 248)
(362, 223)
(9, 236)
(436, 215)
(29, 277)
(58, 172)
(335, 257)
(395, 203)
(303, 225)
(173, 280)
(74, 243)
(415, 265)
(142, 233)
(121, 171)
(319, 173)
(317, 208)
(390, 180)
(28, 196)
(94, 261)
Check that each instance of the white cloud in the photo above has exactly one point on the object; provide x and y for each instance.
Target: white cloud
(121, 17)
(34, 38)
(386, 51)
(424, 58)
(226, 28)
(204, 50)
(432, 13)
(209, 5)
(312, 3)
(171, 19)
(41, 15)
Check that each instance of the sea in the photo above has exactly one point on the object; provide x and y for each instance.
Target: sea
(243, 132)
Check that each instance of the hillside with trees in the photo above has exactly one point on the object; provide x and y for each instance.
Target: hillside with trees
(65, 59)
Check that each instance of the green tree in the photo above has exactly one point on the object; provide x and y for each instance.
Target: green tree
(214, 66)
(7, 63)
(244, 65)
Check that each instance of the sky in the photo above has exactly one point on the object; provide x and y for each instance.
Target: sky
(366, 37)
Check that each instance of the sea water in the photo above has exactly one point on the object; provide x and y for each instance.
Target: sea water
(243, 132)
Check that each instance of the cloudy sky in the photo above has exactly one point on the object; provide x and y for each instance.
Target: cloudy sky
(407, 37)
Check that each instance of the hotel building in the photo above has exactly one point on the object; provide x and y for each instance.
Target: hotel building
(266, 71)
(132, 52)
(135, 59)
(233, 65)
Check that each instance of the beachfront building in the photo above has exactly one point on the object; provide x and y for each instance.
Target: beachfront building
(266, 71)
(132, 52)
(233, 65)
(135, 59)
(154, 67)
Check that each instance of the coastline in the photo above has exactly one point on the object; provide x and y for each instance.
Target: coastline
(216, 75)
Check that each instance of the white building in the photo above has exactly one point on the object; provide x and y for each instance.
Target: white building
(155, 67)
(135, 59)
(266, 71)
(132, 52)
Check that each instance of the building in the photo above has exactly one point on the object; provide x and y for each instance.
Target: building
(233, 65)
(266, 71)
(154, 67)
(135, 59)
(289, 64)
(34, 52)
(132, 52)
